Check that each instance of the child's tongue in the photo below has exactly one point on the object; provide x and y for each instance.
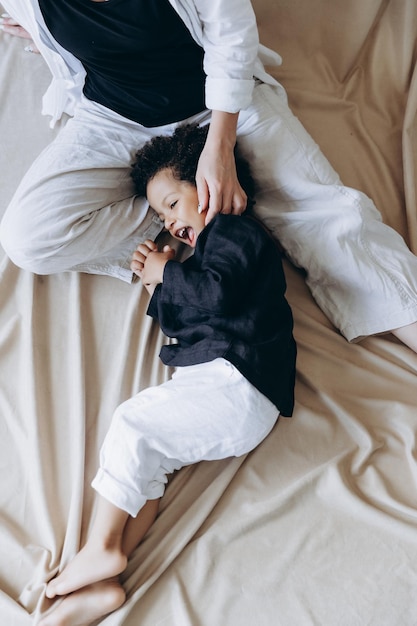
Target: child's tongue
(187, 235)
(190, 236)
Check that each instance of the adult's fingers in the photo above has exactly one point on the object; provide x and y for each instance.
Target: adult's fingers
(239, 202)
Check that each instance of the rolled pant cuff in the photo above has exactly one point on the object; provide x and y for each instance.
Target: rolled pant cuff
(120, 495)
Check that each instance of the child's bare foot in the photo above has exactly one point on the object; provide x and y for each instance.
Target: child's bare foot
(86, 605)
(92, 564)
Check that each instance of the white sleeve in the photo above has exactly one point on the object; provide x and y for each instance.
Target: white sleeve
(231, 42)
(67, 72)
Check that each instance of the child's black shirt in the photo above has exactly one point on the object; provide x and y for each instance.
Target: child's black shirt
(228, 300)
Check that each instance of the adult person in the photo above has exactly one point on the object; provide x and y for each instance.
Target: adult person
(127, 70)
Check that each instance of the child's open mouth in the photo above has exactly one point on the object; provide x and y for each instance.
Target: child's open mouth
(186, 234)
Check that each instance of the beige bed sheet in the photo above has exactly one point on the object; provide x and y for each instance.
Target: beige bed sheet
(318, 526)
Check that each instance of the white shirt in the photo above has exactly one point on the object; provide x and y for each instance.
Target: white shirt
(226, 30)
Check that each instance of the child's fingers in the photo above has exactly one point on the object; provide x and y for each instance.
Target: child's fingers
(138, 262)
(137, 268)
(144, 249)
(169, 250)
(139, 257)
(141, 254)
(151, 245)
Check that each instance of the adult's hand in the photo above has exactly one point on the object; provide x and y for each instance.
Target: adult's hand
(10, 26)
(218, 187)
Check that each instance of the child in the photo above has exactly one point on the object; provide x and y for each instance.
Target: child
(235, 356)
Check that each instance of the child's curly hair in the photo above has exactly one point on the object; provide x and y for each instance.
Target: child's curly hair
(180, 153)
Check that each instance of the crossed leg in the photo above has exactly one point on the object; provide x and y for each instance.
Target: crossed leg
(90, 581)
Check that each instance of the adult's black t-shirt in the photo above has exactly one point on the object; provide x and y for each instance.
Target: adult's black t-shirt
(141, 61)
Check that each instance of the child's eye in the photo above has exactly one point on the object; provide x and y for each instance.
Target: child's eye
(171, 206)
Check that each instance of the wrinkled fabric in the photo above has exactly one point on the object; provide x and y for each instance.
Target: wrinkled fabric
(74, 209)
(317, 526)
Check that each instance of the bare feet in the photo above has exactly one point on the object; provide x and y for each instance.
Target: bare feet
(86, 605)
(92, 564)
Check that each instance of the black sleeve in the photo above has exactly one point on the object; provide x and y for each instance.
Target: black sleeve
(229, 261)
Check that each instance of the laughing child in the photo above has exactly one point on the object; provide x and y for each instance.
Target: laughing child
(234, 366)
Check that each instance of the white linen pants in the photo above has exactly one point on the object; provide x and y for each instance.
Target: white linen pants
(74, 210)
(205, 412)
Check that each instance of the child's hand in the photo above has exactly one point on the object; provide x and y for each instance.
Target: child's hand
(153, 270)
(140, 254)
(149, 264)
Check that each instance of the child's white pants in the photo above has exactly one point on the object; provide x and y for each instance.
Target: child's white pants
(74, 210)
(205, 412)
